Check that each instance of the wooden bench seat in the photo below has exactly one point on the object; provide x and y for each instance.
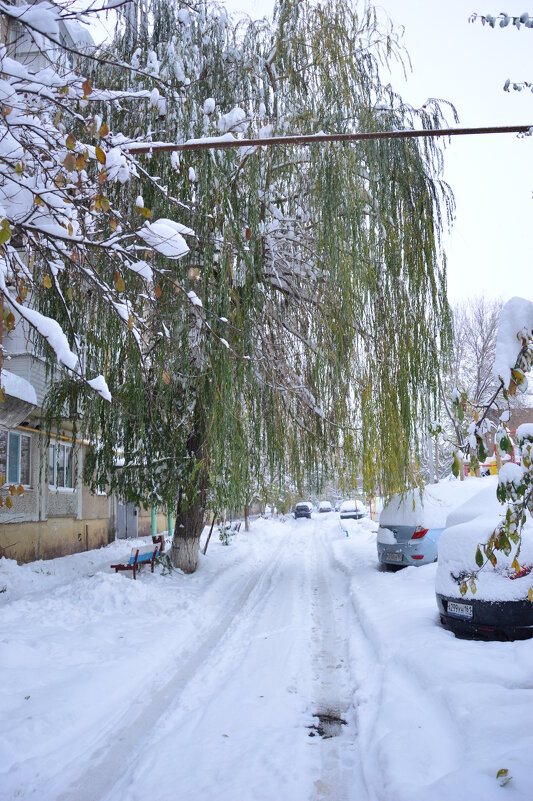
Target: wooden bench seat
(145, 554)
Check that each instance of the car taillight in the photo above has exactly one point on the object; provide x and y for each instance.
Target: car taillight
(419, 533)
(417, 556)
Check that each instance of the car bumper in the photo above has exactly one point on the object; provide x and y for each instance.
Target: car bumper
(296, 516)
(405, 554)
(487, 620)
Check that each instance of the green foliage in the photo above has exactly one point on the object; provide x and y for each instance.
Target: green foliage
(456, 467)
(225, 533)
(319, 268)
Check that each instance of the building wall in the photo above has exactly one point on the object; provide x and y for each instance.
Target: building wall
(46, 522)
(47, 539)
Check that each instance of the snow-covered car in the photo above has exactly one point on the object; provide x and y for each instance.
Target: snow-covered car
(351, 510)
(499, 609)
(303, 509)
(411, 523)
(325, 506)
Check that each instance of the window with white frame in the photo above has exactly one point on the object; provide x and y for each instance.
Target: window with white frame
(60, 465)
(15, 453)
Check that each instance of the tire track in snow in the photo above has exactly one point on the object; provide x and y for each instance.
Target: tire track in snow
(388, 683)
(124, 746)
(339, 778)
(241, 725)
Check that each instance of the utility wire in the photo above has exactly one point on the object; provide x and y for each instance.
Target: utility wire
(223, 143)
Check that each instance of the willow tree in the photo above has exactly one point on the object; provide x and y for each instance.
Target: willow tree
(297, 333)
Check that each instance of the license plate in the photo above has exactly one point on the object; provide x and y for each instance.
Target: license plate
(393, 557)
(460, 610)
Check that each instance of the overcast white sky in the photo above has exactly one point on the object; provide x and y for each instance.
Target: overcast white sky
(490, 247)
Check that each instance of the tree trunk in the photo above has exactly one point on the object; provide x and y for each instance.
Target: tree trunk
(190, 513)
(186, 539)
(209, 535)
(246, 517)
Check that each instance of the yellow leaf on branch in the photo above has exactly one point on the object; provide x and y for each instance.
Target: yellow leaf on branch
(120, 285)
(100, 155)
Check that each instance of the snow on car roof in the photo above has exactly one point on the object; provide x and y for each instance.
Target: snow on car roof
(431, 507)
(349, 505)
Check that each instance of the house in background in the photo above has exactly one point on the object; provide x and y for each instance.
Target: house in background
(57, 514)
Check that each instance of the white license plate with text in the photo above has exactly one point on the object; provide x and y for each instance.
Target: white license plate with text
(393, 557)
(460, 610)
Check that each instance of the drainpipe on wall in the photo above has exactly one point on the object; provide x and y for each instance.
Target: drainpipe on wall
(1, 332)
(170, 532)
(154, 521)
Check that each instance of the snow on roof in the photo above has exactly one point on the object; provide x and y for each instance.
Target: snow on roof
(41, 17)
(18, 387)
(80, 34)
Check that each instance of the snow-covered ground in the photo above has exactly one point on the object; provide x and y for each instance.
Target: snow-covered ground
(207, 687)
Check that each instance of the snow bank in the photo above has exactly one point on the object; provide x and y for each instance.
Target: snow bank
(106, 679)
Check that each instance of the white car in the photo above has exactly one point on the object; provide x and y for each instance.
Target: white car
(411, 523)
(325, 506)
(351, 510)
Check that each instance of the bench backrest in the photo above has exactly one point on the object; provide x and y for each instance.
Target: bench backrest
(146, 553)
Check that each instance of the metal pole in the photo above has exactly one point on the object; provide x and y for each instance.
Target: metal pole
(154, 521)
(221, 143)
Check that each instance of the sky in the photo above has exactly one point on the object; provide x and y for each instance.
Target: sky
(489, 249)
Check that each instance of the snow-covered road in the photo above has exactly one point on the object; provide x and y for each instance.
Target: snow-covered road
(219, 685)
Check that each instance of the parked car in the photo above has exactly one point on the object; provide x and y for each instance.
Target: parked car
(325, 506)
(500, 608)
(303, 509)
(411, 523)
(351, 510)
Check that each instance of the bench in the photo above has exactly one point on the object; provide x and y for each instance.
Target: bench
(143, 555)
(159, 540)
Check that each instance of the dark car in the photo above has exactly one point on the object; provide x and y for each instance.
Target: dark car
(496, 607)
(303, 509)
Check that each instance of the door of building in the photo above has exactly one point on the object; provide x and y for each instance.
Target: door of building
(127, 521)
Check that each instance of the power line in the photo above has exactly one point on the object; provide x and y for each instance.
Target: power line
(223, 143)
